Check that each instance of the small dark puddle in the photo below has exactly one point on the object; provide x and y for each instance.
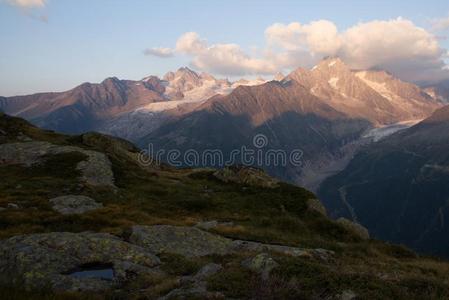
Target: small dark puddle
(93, 270)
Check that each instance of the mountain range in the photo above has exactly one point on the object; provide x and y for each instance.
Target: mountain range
(119, 107)
(328, 112)
(370, 143)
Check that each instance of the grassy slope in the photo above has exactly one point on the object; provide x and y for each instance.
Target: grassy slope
(161, 195)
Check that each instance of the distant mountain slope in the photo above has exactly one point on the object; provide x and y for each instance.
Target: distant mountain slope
(124, 108)
(399, 187)
(85, 106)
(324, 111)
(287, 114)
(439, 90)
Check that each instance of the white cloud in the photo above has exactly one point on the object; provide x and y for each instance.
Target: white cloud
(440, 24)
(27, 3)
(322, 37)
(159, 52)
(230, 59)
(396, 45)
(319, 37)
(191, 43)
(380, 42)
(27, 8)
(288, 36)
(225, 59)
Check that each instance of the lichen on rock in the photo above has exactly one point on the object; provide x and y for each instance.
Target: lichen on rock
(74, 204)
(194, 242)
(38, 260)
(186, 241)
(95, 170)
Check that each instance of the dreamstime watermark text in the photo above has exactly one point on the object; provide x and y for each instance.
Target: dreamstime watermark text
(259, 154)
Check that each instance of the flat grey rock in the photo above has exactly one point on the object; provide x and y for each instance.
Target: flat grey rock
(186, 241)
(194, 242)
(74, 204)
(95, 170)
(49, 259)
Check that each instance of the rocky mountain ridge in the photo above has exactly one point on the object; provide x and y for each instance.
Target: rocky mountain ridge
(328, 112)
(114, 102)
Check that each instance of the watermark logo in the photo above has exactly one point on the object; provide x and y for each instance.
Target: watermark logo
(258, 154)
(260, 141)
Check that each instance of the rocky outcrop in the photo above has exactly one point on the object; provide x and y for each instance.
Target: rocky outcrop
(246, 175)
(95, 170)
(99, 261)
(74, 204)
(186, 241)
(239, 245)
(355, 228)
(58, 259)
(193, 242)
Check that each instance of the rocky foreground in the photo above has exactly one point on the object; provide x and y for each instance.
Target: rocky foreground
(58, 259)
(80, 218)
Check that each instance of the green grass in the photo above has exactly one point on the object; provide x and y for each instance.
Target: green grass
(233, 281)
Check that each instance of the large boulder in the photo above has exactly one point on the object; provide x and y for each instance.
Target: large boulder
(186, 241)
(74, 204)
(71, 261)
(95, 170)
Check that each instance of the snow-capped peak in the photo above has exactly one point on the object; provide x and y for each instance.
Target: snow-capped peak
(330, 62)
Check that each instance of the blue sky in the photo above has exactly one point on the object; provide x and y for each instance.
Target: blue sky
(89, 40)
